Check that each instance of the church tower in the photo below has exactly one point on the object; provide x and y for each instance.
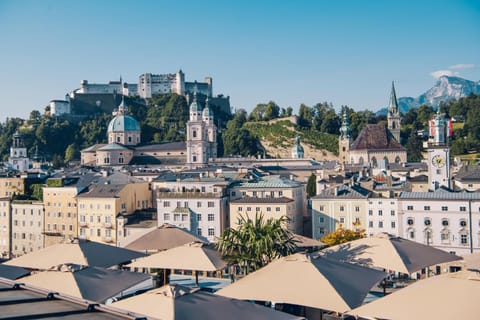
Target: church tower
(18, 159)
(345, 140)
(201, 134)
(393, 115)
(297, 150)
(439, 153)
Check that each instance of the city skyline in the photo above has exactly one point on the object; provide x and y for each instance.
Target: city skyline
(346, 52)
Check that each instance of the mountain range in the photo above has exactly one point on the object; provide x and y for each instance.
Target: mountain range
(445, 89)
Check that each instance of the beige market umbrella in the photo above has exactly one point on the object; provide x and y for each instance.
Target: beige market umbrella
(164, 237)
(91, 283)
(308, 280)
(390, 253)
(303, 242)
(12, 272)
(195, 256)
(448, 296)
(175, 302)
(82, 252)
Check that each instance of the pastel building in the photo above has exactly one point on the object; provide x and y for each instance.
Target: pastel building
(272, 187)
(27, 227)
(5, 228)
(99, 207)
(339, 206)
(446, 220)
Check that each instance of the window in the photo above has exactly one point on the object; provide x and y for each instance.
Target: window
(280, 193)
(463, 208)
(426, 208)
(463, 223)
(463, 239)
(277, 209)
(380, 224)
(322, 208)
(257, 209)
(411, 234)
(444, 208)
(392, 224)
(269, 209)
(166, 216)
(249, 208)
(240, 208)
(370, 224)
(179, 204)
(99, 232)
(199, 231)
(380, 212)
(211, 204)
(321, 219)
(409, 207)
(370, 212)
(185, 204)
(342, 208)
(211, 231)
(357, 209)
(392, 212)
(176, 217)
(199, 204)
(342, 219)
(211, 217)
(410, 221)
(184, 217)
(427, 221)
(445, 222)
(166, 204)
(199, 217)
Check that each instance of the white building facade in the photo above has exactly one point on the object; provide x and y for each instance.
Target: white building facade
(382, 216)
(445, 220)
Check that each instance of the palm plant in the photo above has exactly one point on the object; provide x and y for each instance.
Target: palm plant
(256, 242)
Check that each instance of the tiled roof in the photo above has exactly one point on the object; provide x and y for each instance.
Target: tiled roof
(376, 137)
(263, 200)
(270, 182)
(468, 173)
(343, 191)
(102, 191)
(440, 195)
(162, 146)
(113, 146)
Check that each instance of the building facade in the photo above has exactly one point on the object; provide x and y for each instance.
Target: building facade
(5, 228)
(18, 159)
(27, 227)
(446, 220)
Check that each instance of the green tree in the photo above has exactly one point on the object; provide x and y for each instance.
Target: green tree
(305, 116)
(312, 185)
(414, 147)
(239, 142)
(71, 153)
(342, 235)
(256, 242)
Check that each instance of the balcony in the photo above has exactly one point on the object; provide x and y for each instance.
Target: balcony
(83, 237)
(108, 225)
(83, 224)
(189, 195)
(107, 239)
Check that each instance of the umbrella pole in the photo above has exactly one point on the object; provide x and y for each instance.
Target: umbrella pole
(196, 278)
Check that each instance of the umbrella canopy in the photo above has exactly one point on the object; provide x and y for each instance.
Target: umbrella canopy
(389, 252)
(193, 256)
(164, 237)
(12, 272)
(305, 242)
(308, 280)
(91, 283)
(177, 302)
(449, 296)
(80, 252)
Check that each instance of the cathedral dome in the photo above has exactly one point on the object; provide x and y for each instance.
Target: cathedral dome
(122, 123)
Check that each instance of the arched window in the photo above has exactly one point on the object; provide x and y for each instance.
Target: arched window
(386, 160)
(445, 236)
(428, 236)
(463, 237)
(411, 233)
(129, 139)
(360, 160)
(374, 162)
(398, 160)
(194, 133)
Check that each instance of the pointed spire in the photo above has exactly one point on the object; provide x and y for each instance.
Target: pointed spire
(393, 104)
(345, 129)
(121, 107)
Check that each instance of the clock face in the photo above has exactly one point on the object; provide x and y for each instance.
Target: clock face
(438, 161)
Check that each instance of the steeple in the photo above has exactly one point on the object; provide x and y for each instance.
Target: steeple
(393, 115)
(393, 104)
(345, 129)
(121, 107)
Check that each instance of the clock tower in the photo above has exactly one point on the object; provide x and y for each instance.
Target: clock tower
(438, 153)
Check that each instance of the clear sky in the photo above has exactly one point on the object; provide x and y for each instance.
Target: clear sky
(291, 52)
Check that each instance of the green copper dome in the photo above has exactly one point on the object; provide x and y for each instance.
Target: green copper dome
(122, 123)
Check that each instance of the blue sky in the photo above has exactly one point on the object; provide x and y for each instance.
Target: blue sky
(292, 52)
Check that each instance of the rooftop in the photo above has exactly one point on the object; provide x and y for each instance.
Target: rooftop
(440, 195)
(376, 137)
(343, 191)
(263, 200)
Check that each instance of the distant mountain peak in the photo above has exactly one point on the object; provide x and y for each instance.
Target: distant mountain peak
(445, 89)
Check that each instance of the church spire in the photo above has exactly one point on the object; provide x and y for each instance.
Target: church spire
(345, 129)
(393, 104)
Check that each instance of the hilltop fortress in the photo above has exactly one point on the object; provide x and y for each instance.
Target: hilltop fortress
(107, 96)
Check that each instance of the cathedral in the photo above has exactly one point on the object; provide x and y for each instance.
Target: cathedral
(377, 144)
(125, 148)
